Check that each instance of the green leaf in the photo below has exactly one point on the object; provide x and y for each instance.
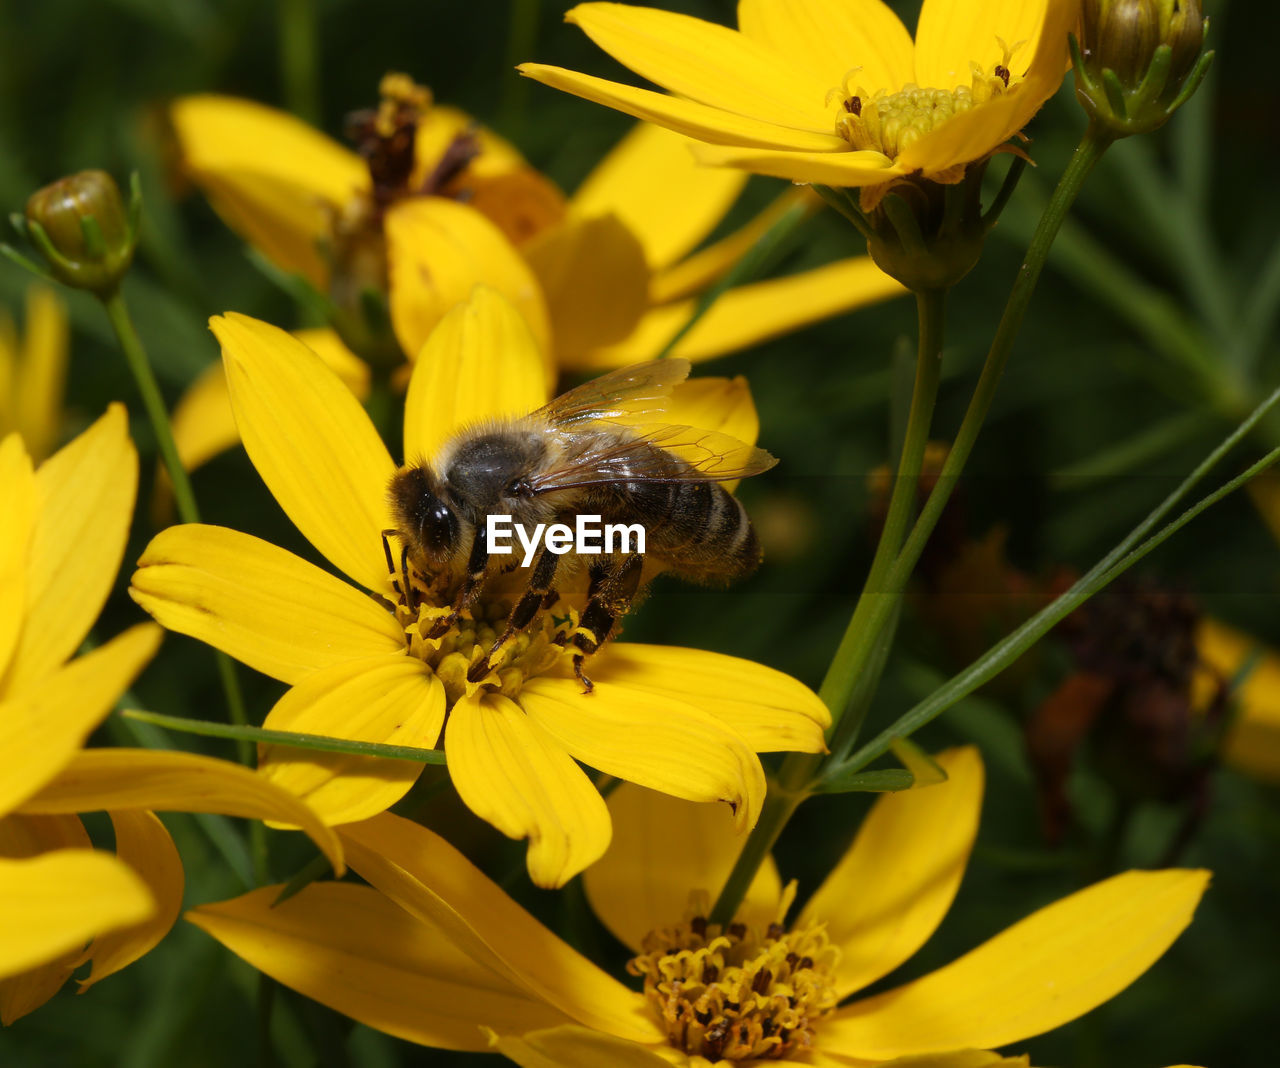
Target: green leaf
(848, 781)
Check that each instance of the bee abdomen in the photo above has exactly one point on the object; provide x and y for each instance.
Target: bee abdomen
(708, 536)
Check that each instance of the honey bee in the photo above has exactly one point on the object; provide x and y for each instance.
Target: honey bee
(595, 450)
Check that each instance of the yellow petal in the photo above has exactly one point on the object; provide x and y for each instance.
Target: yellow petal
(480, 363)
(655, 740)
(862, 167)
(708, 63)
(595, 279)
(204, 424)
(683, 116)
(441, 126)
(259, 603)
(18, 488)
(353, 949)
(37, 397)
(86, 491)
(427, 876)
(1042, 25)
(509, 773)
(664, 848)
(767, 709)
(438, 251)
(893, 886)
(312, 444)
(42, 728)
(28, 836)
(326, 344)
(721, 404)
(750, 314)
(391, 699)
(649, 180)
(143, 843)
(55, 902)
(697, 272)
(1253, 742)
(273, 179)
(130, 779)
(571, 1046)
(1055, 965)
(951, 35)
(832, 37)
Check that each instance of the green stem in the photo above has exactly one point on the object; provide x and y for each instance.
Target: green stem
(1087, 153)
(184, 497)
(845, 677)
(879, 596)
(882, 592)
(748, 267)
(299, 70)
(297, 739)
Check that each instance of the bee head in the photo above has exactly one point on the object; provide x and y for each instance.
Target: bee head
(423, 513)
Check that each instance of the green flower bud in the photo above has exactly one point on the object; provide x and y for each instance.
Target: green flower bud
(82, 227)
(1137, 61)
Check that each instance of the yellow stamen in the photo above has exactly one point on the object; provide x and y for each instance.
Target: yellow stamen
(736, 993)
(890, 122)
(534, 651)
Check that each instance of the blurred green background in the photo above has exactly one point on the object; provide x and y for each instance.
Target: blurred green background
(1173, 245)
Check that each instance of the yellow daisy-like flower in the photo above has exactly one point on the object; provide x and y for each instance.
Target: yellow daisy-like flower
(679, 720)
(833, 92)
(63, 535)
(603, 278)
(434, 952)
(33, 371)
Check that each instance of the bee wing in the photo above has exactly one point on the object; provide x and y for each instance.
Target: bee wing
(627, 393)
(708, 456)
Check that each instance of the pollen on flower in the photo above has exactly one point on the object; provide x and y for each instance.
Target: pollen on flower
(451, 654)
(736, 993)
(890, 122)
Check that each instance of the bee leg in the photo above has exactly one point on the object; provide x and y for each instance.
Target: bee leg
(477, 565)
(525, 611)
(391, 567)
(611, 596)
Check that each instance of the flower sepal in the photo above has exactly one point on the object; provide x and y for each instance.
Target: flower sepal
(926, 233)
(1137, 61)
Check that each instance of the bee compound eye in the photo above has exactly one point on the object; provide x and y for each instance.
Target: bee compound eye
(439, 527)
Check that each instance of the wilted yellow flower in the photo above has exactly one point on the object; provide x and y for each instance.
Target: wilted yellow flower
(33, 371)
(434, 952)
(833, 92)
(679, 720)
(61, 541)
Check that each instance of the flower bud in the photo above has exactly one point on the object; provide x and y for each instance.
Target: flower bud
(1137, 61)
(82, 227)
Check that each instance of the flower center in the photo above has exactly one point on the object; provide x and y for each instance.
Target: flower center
(890, 122)
(471, 637)
(736, 993)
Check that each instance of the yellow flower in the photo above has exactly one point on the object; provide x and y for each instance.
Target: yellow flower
(605, 279)
(433, 952)
(63, 535)
(678, 720)
(33, 371)
(833, 91)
